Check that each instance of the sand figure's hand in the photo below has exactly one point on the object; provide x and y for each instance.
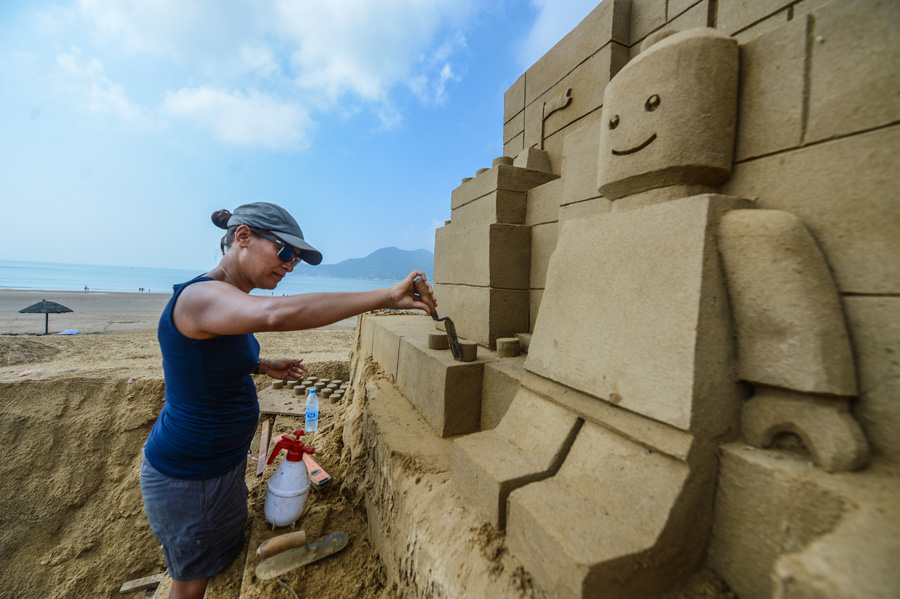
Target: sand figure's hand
(404, 295)
(287, 369)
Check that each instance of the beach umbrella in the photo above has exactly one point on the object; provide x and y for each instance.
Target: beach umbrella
(46, 308)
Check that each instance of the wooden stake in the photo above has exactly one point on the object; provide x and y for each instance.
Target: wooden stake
(142, 584)
(263, 448)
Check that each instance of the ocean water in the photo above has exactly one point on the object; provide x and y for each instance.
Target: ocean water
(74, 277)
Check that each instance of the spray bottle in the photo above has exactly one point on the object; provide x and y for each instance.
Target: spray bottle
(289, 485)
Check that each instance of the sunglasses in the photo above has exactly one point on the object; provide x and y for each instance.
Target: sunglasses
(285, 253)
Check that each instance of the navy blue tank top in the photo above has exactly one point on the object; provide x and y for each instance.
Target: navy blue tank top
(211, 410)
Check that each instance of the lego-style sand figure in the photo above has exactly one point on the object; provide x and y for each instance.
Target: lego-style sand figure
(636, 337)
(668, 133)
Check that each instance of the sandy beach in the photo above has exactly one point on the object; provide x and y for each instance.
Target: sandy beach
(93, 312)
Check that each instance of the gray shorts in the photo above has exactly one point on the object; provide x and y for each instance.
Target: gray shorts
(200, 523)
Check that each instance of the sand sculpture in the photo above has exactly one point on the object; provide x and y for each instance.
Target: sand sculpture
(682, 278)
(691, 393)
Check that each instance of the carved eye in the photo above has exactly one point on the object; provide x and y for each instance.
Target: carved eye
(614, 122)
(652, 103)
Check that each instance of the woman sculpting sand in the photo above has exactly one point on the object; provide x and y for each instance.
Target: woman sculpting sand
(192, 476)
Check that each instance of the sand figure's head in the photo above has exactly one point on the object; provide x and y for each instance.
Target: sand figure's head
(669, 115)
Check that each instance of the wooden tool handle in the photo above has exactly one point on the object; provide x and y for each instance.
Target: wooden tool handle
(276, 545)
(424, 294)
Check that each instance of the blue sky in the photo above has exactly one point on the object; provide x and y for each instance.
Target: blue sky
(126, 123)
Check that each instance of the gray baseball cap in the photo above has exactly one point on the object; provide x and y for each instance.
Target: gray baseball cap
(274, 218)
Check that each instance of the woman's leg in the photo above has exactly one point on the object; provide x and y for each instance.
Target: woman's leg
(190, 589)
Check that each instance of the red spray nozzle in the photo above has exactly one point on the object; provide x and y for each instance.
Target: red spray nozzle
(294, 446)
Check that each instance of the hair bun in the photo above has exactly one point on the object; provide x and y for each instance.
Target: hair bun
(220, 218)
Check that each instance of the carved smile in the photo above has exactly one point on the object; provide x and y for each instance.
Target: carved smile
(636, 148)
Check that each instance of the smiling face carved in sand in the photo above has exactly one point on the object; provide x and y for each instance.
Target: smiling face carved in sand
(669, 116)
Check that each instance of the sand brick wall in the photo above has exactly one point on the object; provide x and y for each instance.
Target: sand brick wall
(818, 134)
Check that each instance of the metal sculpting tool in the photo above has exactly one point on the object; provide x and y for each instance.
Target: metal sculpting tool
(422, 290)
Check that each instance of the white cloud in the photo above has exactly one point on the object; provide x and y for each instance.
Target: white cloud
(555, 19)
(366, 48)
(85, 81)
(198, 28)
(251, 119)
(339, 56)
(258, 59)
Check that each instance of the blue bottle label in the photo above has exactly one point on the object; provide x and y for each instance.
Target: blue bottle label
(312, 415)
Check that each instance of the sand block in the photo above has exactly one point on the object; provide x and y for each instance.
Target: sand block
(507, 207)
(468, 351)
(788, 316)
(438, 341)
(508, 347)
(579, 164)
(482, 314)
(646, 16)
(771, 116)
(855, 70)
(514, 99)
(575, 98)
(543, 243)
(501, 177)
(528, 445)
(445, 391)
(543, 203)
(533, 158)
(494, 255)
(366, 335)
(607, 24)
(657, 130)
(611, 523)
(734, 15)
(387, 334)
(874, 324)
(658, 332)
(850, 210)
(785, 528)
(513, 127)
(499, 386)
(515, 145)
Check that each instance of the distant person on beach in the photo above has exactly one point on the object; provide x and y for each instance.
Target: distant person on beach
(195, 458)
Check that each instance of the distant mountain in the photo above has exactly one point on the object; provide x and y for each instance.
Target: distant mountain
(389, 264)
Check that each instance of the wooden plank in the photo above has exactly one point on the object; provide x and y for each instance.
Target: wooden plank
(263, 447)
(142, 584)
(281, 402)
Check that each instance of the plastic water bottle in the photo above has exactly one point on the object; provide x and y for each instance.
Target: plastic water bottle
(312, 410)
